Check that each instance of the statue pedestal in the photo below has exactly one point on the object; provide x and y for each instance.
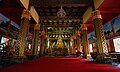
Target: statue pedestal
(59, 52)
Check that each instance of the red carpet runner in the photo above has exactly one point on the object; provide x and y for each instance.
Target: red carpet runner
(60, 64)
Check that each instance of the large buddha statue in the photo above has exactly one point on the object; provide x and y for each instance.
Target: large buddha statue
(60, 42)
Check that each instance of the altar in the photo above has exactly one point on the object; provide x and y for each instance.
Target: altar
(60, 52)
(60, 48)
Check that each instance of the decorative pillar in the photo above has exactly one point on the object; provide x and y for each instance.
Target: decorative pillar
(101, 41)
(50, 47)
(35, 40)
(45, 45)
(74, 46)
(23, 31)
(85, 40)
(68, 46)
(78, 42)
(42, 43)
(71, 45)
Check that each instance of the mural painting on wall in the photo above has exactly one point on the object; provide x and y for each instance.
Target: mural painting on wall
(91, 37)
(116, 24)
(107, 28)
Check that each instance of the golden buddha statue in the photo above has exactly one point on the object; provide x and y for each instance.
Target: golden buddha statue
(60, 42)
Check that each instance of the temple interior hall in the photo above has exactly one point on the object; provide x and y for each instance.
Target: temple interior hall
(59, 35)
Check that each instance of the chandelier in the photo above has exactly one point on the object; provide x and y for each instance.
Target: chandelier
(61, 13)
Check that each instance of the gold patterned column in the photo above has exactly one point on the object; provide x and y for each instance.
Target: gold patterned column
(23, 31)
(42, 43)
(45, 45)
(35, 40)
(74, 46)
(101, 41)
(78, 42)
(50, 47)
(71, 45)
(85, 40)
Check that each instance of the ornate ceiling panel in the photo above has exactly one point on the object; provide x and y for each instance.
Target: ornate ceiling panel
(61, 23)
(52, 11)
(47, 10)
(68, 3)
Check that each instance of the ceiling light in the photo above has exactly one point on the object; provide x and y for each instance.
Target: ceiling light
(61, 13)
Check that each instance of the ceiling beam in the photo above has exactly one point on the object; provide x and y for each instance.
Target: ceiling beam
(16, 19)
(67, 5)
(89, 11)
(58, 26)
(39, 3)
(87, 14)
(55, 17)
(97, 3)
(10, 9)
(34, 14)
(110, 10)
(25, 3)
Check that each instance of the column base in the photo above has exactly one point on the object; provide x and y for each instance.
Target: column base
(84, 55)
(21, 59)
(100, 58)
(32, 57)
(78, 54)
